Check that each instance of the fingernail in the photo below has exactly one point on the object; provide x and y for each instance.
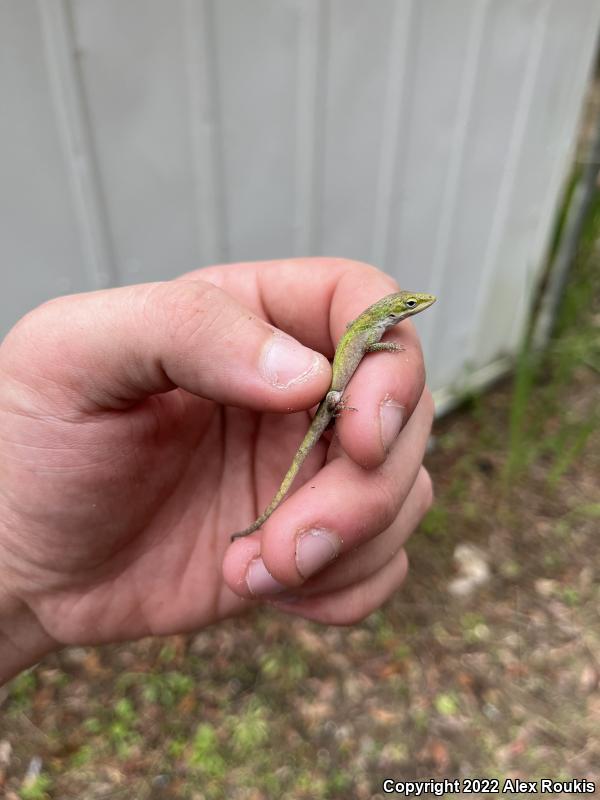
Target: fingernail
(314, 549)
(284, 361)
(391, 416)
(260, 581)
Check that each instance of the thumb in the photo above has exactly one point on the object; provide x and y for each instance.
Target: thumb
(112, 348)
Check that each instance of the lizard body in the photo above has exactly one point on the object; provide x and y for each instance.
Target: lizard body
(362, 336)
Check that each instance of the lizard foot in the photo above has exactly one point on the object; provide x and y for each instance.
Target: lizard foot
(342, 405)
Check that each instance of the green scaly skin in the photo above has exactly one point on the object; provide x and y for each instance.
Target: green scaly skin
(362, 336)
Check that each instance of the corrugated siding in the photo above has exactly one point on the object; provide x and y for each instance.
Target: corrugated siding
(142, 138)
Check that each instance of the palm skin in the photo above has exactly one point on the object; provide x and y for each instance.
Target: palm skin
(138, 548)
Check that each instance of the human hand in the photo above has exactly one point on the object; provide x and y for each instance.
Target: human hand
(141, 426)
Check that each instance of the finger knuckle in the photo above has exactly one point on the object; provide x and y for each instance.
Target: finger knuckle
(184, 307)
(383, 502)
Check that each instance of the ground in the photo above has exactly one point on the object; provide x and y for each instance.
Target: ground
(486, 664)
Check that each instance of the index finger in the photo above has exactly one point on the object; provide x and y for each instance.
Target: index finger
(313, 299)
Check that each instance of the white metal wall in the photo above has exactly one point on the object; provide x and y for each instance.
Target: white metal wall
(142, 138)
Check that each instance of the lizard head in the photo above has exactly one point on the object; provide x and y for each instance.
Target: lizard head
(400, 305)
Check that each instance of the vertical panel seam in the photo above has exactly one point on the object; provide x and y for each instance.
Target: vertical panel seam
(462, 127)
(515, 147)
(205, 125)
(311, 91)
(75, 132)
(396, 100)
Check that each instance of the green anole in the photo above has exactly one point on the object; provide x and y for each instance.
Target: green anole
(362, 336)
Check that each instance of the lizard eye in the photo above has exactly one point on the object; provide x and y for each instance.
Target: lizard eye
(411, 303)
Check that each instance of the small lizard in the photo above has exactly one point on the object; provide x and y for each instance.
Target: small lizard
(362, 336)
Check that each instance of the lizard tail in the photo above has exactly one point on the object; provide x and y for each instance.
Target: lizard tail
(317, 427)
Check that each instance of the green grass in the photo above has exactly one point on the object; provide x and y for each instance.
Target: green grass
(250, 730)
(22, 690)
(284, 665)
(446, 704)
(205, 754)
(37, 789)
(576, 344)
